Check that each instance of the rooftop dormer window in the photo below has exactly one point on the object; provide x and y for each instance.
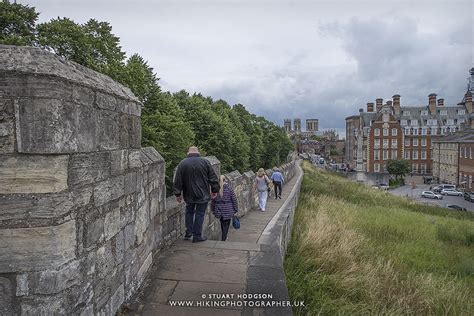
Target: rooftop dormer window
(443, 112)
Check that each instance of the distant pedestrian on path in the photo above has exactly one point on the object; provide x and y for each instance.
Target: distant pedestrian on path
(278, 180)
(195, 182)
(261, 185)
(224, 206)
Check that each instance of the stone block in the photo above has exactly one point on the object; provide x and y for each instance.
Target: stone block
(109, 129)
(54, 305)
(22, 286)
(23, 85)
(35, 206)
(112, 223)
(83, 95)
(142, 222)
(93, 231)
(56, 281)
(88, 168)
(105, 263)
(135, 108)
(129, 236)
(33, 174)
(114, 303)
(130, 183)
(138, 159)
(6, 296)
(105, 101)
(108, 190)
(135, 131)
(118, 162)
(37, 248)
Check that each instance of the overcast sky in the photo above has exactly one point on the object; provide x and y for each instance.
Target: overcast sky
(307, 59)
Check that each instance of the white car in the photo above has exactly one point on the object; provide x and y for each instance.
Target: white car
(431, 195)
(451, 192)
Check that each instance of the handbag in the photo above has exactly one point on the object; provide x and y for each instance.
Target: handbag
(235, 222)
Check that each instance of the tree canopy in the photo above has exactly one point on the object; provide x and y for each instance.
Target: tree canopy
(170, 122)
(399, 168)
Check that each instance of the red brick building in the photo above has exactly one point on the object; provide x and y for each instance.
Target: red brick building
(385, 139)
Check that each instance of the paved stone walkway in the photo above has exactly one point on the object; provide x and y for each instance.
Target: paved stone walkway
(190, 272)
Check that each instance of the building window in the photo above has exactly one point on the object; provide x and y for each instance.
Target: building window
(415, 154)
(450, 122)
(377, 143)
(376, 167)
(394, 143)
(407, 131)
(423, 154)
(465, 152)
(423, 168)
(443, 112)
(403, 122)
(406, 113)
(407, 142)
(385, 143)
(415, 141)
(423, 142)
(424, 112)
(432, 122)
(434, 131)
(461, 112)
(385, 132)
(377, 132)
(394, 154)
(470, 152)
(414, 122)
(394, 132)
(415, 131)
(385, 154)
(424, 131)
(407, 154)
(414, 168)
(376, 154)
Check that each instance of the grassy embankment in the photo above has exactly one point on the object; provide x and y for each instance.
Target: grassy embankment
(355, 250)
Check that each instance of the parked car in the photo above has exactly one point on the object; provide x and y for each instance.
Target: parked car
(469, 196)
(383, 186)
(456, 207)
(437, 189)
(451, 192)
(431, 195)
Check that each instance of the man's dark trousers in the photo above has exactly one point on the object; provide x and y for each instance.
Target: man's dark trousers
(195, 218)
(277, 185)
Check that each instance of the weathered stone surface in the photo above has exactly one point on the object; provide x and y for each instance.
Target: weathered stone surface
(23, 59)
(6, 296)
(142, 222)
(37, 248)
(44, 305)
(105, 101)
(112, 223)
(55, 281)
(23, 85)
(33, 174)
(118, 162)
(22, 287)
(39, 206)
(89, 168)
(94, 231)
(108, 190)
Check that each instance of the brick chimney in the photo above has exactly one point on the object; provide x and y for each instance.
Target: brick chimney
(370, 107)
(440, 102)
(432, 103)
(396, 104)
(468, 102)
(378, 104)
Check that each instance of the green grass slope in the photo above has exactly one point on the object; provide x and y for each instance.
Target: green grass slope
(356, 250)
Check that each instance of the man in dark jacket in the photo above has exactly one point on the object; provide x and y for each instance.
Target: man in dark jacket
(197, 183)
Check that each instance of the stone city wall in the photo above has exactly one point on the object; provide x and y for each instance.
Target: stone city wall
(83, 207)
(79, 198)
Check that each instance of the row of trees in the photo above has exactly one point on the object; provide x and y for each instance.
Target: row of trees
(170, 122)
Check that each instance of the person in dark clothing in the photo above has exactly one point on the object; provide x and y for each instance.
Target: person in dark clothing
(224, 206)
(196, 182)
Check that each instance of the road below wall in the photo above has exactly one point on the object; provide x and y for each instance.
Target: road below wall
(416, 194)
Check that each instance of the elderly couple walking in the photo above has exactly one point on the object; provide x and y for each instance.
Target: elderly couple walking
(196, 182)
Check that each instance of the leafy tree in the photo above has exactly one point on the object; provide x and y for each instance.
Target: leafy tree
(399, 168)
(91, 44)
(17, 24)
